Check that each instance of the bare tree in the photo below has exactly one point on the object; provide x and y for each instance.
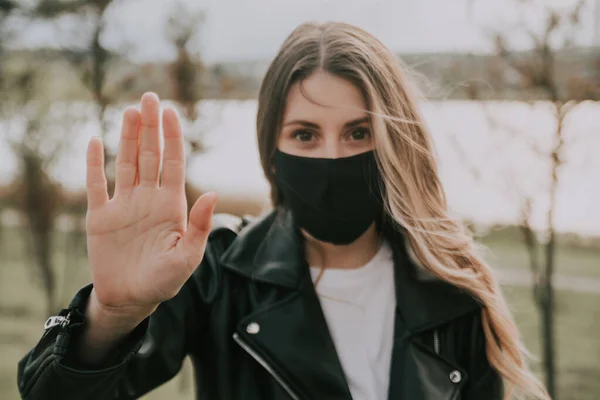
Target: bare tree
(186, 71)
(36, 129)
(91, 60)
(186, 74)
(182, 29)
(6, 8)
(35, 132)
(92, 63)
(541, 73)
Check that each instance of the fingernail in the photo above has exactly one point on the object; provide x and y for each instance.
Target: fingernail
(149, 96)
(212, 196)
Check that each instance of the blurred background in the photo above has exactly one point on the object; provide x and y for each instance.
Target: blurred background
(511, 91)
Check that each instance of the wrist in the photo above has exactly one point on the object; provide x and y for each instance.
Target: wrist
(111, 323)
(106, 328)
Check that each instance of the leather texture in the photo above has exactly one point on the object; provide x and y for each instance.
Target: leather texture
(250, 320)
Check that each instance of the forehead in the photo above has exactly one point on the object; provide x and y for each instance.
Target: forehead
(324, 96)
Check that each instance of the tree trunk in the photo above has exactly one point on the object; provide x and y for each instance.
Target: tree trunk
(548, 304)
(531, 244)
(547, 325)
(74, 247)
(43, 248)
(39, 206)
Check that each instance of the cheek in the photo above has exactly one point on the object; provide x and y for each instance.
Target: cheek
(280, 140)
(290, 147)
(282, 143)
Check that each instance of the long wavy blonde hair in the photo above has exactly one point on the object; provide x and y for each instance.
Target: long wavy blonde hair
(415, 199)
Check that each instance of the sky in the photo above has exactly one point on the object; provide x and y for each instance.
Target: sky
(254, 29)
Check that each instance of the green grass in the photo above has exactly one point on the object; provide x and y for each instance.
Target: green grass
(22, 308)
(577, 329)
(506, 251)
(577, 339)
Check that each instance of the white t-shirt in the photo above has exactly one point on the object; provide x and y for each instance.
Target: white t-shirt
(359, 306)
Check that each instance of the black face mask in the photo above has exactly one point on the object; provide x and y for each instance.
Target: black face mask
(334, 200)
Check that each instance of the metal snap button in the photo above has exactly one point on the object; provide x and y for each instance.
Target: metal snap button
(455, 376)
(253, 328)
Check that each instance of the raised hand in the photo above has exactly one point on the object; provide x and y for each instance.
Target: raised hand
(140, 247)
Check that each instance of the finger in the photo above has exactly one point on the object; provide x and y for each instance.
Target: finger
(126, 165)
(96, 187)
(194, 240)
(149, 155)
(173, 169)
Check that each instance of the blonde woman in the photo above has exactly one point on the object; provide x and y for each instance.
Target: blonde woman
(358, 285)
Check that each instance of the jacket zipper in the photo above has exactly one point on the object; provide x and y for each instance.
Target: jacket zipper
(57, 320)
(436, 342)
(265, 365)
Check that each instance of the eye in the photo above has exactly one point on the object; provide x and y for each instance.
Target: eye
(303, 135)
(360, 133)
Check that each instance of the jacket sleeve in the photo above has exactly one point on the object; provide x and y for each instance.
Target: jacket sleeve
(484, 381)
(151, 355)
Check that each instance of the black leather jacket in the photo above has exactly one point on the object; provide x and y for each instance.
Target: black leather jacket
(251, 322)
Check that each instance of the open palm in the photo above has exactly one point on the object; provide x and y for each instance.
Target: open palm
(140, 247)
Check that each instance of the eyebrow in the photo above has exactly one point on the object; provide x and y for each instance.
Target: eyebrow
(308, 124)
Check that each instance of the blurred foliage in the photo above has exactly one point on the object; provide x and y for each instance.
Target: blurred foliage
(186, 70)
(6, 6)
(553, 67)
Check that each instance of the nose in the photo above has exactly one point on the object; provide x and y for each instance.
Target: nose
(333, 147)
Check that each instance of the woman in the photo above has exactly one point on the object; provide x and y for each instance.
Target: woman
(357, 286)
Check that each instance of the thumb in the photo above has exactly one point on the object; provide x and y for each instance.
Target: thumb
(194, 240)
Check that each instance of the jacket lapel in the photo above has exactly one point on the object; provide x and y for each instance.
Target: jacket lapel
(293, 338)
(291, 335)
(269, 250)
(424, 303)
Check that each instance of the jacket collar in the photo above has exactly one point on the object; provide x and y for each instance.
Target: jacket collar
(270, 250)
